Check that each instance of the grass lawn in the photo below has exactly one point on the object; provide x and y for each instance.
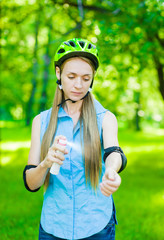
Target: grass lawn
(139, 200)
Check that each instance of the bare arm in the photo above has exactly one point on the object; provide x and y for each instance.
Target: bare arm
(111, 180)
(110, 131)
(35, 177)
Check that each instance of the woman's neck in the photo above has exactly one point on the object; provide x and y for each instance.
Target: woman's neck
(73, 108)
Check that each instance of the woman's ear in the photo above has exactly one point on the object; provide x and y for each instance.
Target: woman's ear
(57, 72)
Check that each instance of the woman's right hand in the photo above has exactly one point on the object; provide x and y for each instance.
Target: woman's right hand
(55, 153)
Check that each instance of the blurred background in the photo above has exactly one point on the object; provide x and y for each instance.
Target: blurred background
(129, 82)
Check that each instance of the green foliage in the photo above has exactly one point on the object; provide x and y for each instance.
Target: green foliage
(130, 37)
(139, 200)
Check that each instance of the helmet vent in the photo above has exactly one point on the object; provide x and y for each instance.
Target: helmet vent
(82, 44)
(90, 46)
(72, 43)
(61, 50)
(66, 43)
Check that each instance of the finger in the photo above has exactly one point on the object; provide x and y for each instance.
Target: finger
(53, 157)
(104, 178)
(58, 148)
(59, 155)
(114, 184)
(104, 191)
(66, 151)
(55, 160)
(105, 194)
(108, 188)
(56, 141)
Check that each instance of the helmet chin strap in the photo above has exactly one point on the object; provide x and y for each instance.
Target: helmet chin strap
(60, 86)
(60, 104)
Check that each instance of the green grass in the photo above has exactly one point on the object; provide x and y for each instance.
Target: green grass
(139, 200)
(19, 209)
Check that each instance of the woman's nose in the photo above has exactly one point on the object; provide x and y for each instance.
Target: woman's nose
(78, 83)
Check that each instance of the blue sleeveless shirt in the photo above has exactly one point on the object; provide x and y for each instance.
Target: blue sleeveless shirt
(71, 209)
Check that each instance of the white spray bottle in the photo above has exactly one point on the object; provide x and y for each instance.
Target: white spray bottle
(55, 166)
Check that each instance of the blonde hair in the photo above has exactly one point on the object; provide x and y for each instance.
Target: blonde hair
(92, 145)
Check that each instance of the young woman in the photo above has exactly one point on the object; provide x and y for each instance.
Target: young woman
(78, 200)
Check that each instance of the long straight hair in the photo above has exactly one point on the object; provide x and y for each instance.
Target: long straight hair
(91, 137)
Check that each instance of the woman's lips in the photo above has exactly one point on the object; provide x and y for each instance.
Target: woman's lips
(77, 93)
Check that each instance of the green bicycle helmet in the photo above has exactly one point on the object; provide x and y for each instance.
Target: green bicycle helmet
(74, 48)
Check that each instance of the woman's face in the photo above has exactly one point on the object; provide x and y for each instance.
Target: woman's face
(76, 78)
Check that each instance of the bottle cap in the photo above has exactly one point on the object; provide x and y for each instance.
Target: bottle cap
(62, 142)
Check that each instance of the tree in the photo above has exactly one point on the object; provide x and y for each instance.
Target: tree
(130, 40)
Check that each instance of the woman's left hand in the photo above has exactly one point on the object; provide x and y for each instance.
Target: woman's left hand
(110, 182)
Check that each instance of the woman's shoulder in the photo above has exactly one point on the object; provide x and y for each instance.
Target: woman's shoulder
(108, 116)
(36, 125)
(46, 112)
(36, 120)
(99, 107)
(110, 120)
(44, 115)
(41, 116)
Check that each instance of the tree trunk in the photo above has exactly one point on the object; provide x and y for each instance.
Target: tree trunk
(158, 64)
(137, 117)
(46, 73)
(29, 111)
(160, 72)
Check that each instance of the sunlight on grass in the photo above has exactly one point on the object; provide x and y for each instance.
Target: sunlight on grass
(8, 150)
(5, 160)
(158, 199)
(151, 131)
(145, 148)
(14, 146)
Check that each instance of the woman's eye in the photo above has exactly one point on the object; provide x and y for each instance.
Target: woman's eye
(70, 77)
(86, 79)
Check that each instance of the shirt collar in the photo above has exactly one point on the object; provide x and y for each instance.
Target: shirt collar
(62, 113)
(99, 109)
